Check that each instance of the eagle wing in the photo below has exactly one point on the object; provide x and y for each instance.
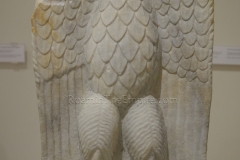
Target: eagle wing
(58, 30)
(185, 28)
(186, 35)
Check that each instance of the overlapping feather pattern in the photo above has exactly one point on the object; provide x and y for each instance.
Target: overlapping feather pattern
(122, 44)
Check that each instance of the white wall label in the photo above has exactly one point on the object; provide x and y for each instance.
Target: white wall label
(226, 55)
(12, 53)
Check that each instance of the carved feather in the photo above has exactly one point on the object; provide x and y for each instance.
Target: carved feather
(187, 42)
(122, 44)
(58, 64)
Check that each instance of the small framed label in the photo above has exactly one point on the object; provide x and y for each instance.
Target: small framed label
(12, 53)
(226, 55)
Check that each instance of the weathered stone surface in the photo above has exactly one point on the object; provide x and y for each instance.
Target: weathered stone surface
(123, 79)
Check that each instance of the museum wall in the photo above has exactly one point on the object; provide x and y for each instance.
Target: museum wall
(19, 123)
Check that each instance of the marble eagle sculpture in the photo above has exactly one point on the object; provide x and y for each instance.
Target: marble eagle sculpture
(123, 79)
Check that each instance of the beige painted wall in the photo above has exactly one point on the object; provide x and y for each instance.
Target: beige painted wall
(19, 124)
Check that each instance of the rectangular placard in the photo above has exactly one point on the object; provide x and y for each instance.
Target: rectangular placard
(226, 55)
(12, 53)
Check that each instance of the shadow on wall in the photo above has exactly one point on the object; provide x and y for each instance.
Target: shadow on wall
(226, 68)
(3, 155)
